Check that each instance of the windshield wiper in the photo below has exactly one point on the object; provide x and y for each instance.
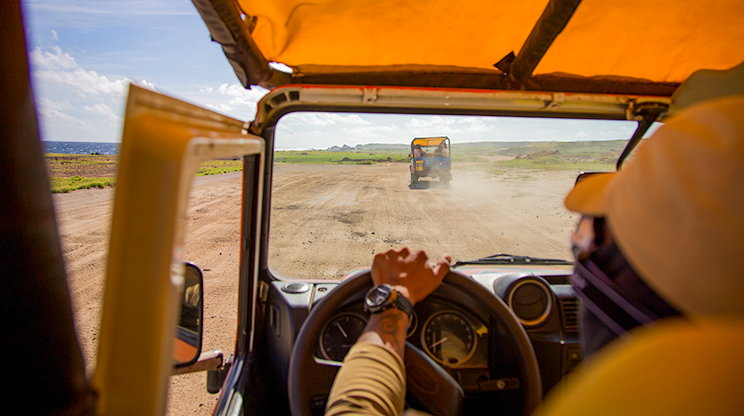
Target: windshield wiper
(512, 259)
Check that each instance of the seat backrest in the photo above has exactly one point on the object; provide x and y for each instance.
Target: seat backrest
(679, 368)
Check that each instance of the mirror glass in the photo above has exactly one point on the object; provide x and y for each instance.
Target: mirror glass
(187, 345)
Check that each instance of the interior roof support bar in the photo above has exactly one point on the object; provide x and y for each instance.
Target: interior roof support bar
(227, 28)
(551, 23)
(649, 114)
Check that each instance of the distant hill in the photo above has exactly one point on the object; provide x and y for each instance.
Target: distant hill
(580, 147)
(489, 145)
(506, 148)
(368, 147)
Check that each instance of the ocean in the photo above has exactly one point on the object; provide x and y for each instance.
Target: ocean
(81, 148)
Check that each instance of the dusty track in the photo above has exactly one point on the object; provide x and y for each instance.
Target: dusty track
(353, 211)
(518, 212)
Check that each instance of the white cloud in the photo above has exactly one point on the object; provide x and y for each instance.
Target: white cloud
(50, 105)
(51, 112)
(476, 125)
(303, 134)
(54, 35)
(60, 68)
(581, 134)
(418, 123)
(101, 110)
(75, 103)
(312, 119)
(89, 83)
(325, 119)
(371, 129)
(231, 99)
(431, 121)
(220, 107)
(239, 95)
(47, 60)
(351, 119)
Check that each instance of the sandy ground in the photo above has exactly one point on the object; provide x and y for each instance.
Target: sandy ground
(517, 212)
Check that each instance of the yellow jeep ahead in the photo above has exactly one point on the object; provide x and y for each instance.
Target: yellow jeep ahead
(430, 157)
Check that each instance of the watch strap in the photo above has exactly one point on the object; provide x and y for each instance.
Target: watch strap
(395, 300)
(402, 303)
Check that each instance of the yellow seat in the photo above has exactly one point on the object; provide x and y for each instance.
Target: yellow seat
(680, 368)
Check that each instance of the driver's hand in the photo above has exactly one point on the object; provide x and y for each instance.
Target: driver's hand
(410, 272)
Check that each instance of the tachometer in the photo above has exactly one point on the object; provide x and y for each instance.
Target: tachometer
(449, 338)
(340, 334)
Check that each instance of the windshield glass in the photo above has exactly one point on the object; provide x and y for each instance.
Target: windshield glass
(346, 186)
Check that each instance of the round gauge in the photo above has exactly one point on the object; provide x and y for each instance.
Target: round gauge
(340, 334)
(449, 338)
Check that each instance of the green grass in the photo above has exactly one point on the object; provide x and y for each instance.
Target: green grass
(577, 156)
(65, 185)
(584, 156)
(317, 157)
(215, 167)
(587, 155)
(567, 148)
(62, 184)
(64, 165)
(556, 163)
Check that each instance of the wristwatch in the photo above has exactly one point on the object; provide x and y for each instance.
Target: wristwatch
(383, 297)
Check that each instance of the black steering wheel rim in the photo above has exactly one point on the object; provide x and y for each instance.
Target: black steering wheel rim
(302, 361)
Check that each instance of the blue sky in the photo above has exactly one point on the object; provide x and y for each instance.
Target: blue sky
(83, 54)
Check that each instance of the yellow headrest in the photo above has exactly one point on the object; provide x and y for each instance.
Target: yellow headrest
(678, 368)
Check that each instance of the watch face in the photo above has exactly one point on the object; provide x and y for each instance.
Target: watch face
(378, 296)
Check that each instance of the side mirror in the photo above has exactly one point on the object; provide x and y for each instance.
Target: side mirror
(187, 345)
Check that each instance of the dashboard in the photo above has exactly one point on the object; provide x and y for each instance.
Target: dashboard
(448, 327)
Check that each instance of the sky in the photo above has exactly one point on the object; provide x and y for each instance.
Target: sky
(84, 54)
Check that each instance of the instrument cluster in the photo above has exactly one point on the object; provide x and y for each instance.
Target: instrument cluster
(451, 336)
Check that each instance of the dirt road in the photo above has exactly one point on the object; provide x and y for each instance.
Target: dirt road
(518, 212)
(353, 211)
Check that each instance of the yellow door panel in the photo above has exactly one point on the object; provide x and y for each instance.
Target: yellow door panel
(164, 140)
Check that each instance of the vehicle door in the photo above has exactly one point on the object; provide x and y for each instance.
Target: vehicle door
(164, 141)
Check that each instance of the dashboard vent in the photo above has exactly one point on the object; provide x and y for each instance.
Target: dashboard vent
(570, 314)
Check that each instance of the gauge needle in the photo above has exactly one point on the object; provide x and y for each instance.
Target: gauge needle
(438, 342)
(341, 329)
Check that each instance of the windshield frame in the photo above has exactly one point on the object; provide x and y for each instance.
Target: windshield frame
(426, 101)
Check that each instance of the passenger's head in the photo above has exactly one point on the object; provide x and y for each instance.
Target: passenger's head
(664, 236)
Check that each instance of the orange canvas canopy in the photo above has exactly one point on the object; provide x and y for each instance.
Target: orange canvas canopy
(615, 46)
(428, 141)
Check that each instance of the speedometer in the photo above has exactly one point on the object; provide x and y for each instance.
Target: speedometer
(449, 338)
(340, 334)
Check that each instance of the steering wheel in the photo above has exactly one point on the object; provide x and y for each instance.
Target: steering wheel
(309, 380)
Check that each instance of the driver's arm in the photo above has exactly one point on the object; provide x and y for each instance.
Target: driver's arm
(372, 380)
